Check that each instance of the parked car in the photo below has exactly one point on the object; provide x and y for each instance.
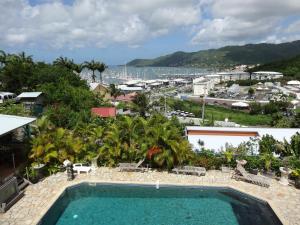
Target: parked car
(4, 96)
(82, 167)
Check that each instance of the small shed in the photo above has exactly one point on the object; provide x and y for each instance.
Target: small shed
(32, 101)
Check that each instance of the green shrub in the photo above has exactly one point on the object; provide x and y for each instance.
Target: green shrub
(253, 162)
(208, 159)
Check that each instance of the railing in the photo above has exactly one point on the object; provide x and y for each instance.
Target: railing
(9, 194)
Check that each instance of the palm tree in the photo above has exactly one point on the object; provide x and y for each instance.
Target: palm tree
(3, 57)
(25, 59)
(77, 68)
(173, 148)
(111, 152)
(93, 66)
(114, 92)
(101, 67)
(141, 104)
(62, 61)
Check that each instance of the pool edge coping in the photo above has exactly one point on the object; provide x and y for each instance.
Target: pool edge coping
(51, 202)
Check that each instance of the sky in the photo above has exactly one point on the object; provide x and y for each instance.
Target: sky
(117, 31)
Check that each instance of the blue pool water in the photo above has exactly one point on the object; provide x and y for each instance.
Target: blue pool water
(86, 204)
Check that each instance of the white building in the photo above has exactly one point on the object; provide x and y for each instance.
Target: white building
(266, 75)
(234, 75)
(127, 89)
(202, 86)
(294, 83)
(216, 138)
(214, 77)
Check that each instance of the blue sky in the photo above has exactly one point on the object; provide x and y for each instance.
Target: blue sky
(121, 30)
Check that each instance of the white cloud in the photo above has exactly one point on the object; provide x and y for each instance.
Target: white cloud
(100, 23)
(240, 22)
(92, 22)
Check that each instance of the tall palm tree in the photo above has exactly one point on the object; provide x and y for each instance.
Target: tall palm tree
(101, 67)
(62, 61)
(93, 66)
(69, 64)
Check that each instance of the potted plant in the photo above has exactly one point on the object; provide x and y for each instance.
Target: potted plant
(296, 174)
(267, 159)
(253, 164)
(228, 155)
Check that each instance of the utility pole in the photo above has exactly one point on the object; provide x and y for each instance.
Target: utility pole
(165, 105)
(203, 105)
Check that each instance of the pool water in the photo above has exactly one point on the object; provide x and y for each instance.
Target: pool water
(112, 204)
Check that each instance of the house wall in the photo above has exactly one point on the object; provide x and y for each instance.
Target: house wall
(215, 138)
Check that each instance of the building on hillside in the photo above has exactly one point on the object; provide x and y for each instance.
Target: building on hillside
(100, 89)
(179, 81)
(216, 138)
(234, 75)
(136, 83)
(214, 77)
(32, 101)
(128, 89)
(266, 75)
(295, 83)
(124, 98)
(202, 86)
(104, 112)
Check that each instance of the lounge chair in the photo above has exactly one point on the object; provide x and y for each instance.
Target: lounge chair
(200, 171)
(132, 166)
(242, 174)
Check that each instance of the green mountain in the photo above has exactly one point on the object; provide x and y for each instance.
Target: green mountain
(226, 56)
(289, 67)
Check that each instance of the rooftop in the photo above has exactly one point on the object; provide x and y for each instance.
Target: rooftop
(29, 95)
(233, 73)
(10, 123)
(93, 86)
(104, 111)
(268, 72)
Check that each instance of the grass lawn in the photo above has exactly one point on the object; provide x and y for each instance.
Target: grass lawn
(220, 113)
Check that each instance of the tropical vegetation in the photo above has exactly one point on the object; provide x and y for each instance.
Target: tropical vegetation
(126, 139)
(289, 67)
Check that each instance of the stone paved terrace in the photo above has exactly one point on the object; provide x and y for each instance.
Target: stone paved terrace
(39, 197)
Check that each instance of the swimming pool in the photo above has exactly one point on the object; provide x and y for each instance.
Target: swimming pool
(112, 204)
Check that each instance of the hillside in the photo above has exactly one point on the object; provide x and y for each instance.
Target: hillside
(289, 67)
(226, 56)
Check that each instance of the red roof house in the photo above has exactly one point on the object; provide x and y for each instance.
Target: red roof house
(104, 112)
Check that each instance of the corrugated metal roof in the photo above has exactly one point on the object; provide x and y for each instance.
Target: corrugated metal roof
(29, 95)
(104, 111)
(9, 123)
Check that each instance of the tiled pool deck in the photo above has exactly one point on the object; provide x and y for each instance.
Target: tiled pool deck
(285, 201)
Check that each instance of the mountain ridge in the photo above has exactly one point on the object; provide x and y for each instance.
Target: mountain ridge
(226, 56)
